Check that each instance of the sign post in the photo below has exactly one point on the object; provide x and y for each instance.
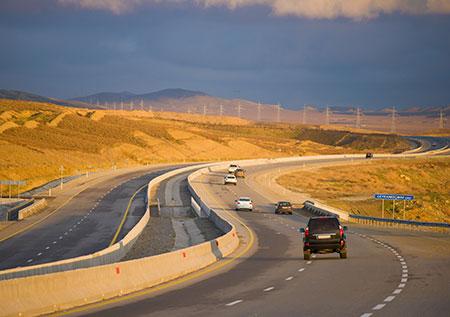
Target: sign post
(393, 197)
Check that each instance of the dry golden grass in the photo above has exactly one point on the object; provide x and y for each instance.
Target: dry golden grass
(351, 187)
(38, 138)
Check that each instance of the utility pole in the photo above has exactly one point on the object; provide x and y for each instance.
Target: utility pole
(393, 123)
(304, 114)
(278, 107)
(258, 117)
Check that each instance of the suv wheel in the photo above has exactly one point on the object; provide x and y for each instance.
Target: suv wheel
(307, 254)
(343, 254)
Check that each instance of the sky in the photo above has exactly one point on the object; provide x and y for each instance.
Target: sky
(369, 53)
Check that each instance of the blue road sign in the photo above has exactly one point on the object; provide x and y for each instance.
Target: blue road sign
(393, 197)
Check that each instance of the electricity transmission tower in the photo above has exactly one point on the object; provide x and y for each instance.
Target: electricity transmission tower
(239, 110)
(121, 105)
(131, 105)
(142, 104)
(204, 110)
(304, 114)
(394, 119)
(278, 107)
(327, 116)
(258, 117)
(441, 120)
(221, 110)
(358, 117)
(114, 105)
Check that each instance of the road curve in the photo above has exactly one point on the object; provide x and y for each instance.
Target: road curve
(86, 224)
(389, 272)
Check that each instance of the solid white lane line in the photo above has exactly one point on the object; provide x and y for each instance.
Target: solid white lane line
(289, 278)
(389, 298)
(269, 289)
(379, 306)
(397, 291)
(235, 302)
(301, 270)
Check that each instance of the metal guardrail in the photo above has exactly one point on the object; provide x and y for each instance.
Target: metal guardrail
(402, 222)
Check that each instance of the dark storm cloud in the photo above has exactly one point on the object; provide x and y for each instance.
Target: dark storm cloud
(65, 51)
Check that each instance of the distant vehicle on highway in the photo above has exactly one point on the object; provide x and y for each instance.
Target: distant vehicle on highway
(232, 168)
(239, 172)
(283, 207)
(324, 235)
(230, 179)
(434, 144)
(244, 203)
(369, 155)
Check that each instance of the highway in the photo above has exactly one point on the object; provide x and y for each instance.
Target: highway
(86, 224)
(389, 272)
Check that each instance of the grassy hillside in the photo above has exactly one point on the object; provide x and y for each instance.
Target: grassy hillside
(351, 188)
(37, 138)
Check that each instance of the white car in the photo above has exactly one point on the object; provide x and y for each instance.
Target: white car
(232, 168)
(244, 203)
(230, 179)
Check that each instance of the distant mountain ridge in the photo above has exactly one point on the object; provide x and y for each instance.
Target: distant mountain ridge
(126, 96)
(23, 95)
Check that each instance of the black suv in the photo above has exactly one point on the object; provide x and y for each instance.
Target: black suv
(324, 235)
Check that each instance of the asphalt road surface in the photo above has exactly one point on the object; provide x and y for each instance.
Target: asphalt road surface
(389, 272)
(85, 225)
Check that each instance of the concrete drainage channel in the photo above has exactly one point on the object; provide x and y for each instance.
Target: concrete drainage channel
(43, 289)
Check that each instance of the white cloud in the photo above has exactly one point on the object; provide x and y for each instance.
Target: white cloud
(316, 9)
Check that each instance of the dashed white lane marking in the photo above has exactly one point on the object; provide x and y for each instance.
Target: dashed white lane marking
(366, 315)
(309, 262)
(397, 291)
(269, 289)
(378, 307)
(30, 260)
(46, 248)
(314, 256)
(404, 280)
(289, 278)
(301, 270)
(235, 302)
(54, 242)
(39, 254)
(65, 233)
(60, 237)
(389, 298)
(401, 285)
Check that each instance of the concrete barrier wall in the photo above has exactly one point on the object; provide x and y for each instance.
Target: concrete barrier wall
(31, 210)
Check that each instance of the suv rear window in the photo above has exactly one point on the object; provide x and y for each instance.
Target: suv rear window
(284, 203)
(323, 224)
(244, 199)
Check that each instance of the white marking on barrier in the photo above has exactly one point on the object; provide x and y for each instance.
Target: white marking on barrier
(389, 298)
(289, 278)
(235, 302)
(379, 306)
(301, 270)
(269, 289)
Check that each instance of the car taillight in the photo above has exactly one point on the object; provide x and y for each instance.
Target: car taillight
(341, 231)
(306, 232)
